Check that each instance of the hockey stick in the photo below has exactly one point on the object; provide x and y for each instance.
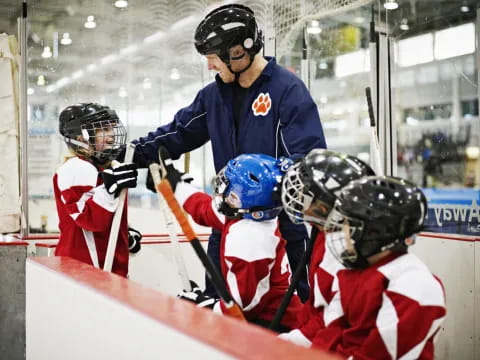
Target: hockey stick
(117, 217)
(233, 309)
(167, 216)
(293, 282)
(375, 158)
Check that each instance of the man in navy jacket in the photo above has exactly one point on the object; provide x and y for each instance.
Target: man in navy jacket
(253, 106)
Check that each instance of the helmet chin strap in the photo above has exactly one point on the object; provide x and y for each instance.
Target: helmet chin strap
(238, 73)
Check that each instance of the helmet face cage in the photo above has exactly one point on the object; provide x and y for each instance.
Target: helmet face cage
(342, 235)
(107, 138)
(294, 199)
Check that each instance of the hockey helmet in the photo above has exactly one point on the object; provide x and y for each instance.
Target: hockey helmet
(374, 214)
(81, 124)
(310, 186)
(246, 187)
(225, 27)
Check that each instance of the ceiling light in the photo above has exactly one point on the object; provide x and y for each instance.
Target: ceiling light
(404, 25)
(31, 91)
(323, 65)
(147, 83)
(121, 3)
(41, 80)
(314, 28)
(91, 67)
(390, 5)
(66, 39)
(77, 74)
(51, 88)
(174, 74)
(47, 53)
(359, 20)
(122, 92)
(464, 8)
(90, 24)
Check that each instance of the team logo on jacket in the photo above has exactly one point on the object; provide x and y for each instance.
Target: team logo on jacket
(262, 104)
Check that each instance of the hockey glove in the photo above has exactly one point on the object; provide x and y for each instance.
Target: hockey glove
(134, 237)
(120, 177)
(173, 175)
(196, 296)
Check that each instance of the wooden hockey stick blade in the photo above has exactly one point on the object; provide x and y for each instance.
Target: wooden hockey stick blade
(117, 217)
(168, 218)
(232, 307)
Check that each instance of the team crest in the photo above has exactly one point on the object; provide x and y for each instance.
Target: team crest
(262, 104)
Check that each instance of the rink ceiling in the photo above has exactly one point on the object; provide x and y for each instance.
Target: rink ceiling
(120, 30)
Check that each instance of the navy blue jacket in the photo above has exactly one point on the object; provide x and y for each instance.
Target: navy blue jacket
(290, 128)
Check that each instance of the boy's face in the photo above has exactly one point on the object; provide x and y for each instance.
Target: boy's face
(216, 64)
(316, 214)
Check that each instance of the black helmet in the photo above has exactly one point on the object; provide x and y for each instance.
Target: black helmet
(84, 120)
(225, 27)
(380, 213)
(316, 180)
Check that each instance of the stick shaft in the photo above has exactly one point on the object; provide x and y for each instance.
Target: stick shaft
(117, 217)
(168, 218)
(217, 280)
(375, 155)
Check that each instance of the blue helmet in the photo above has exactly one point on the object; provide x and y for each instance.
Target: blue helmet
(248, 187)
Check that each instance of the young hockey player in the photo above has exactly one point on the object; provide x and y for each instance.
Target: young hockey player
(253, 106)
(309, 190)
(386, 304)
(86, 187)
(252, 251)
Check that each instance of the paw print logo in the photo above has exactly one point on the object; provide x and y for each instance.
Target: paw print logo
(262, 104)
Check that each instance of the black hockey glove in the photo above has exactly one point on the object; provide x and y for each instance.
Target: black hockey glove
(121, 177)
(173, 175)
(134, 237)
(197, 296)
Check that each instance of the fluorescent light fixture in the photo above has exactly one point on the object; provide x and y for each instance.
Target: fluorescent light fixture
(390, 5)
(415, 50)
(47, 53)
(464, 8)
(66, 40)
(411, 121)
(122, 92)
(91, 67)
(129, 50)
(77, 74)
(314, 28)
(323, 99)
(108, 59)
(90, 24)
(159, 35)
(323, 65)
(62, 82)
(41, 80)
(147, 83)
(359, 20)
(174, 74)
(31, 91)
(121, 3)
(352, 63)
(51, 88)
(404, 25)
(472, 152)
(455, 41)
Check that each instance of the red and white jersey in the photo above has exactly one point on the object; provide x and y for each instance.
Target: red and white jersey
(252, 257)
(391, 310)
(85, 212)
(321, 274)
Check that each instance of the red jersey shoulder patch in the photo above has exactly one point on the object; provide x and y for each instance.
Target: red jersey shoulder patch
(262, 104)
